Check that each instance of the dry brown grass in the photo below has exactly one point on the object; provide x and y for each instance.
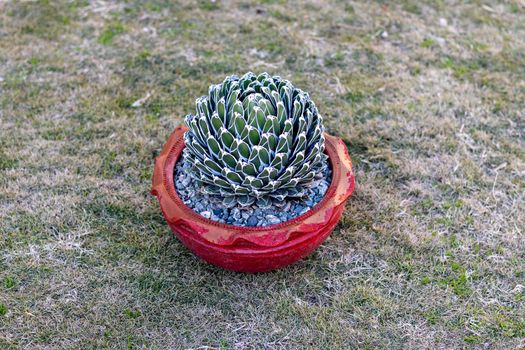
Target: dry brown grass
(429, 98)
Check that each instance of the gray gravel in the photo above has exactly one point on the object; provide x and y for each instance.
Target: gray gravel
(211, 207)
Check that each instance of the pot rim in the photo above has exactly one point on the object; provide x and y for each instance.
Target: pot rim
(174, 150)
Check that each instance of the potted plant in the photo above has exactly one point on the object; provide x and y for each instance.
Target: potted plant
(252, 183)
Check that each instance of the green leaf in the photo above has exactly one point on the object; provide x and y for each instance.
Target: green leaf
(212, 165)
(239, 123)
(313, 151)
(297, 108)
(204, 127)
(231, 175)
(286, 95)
(221, 182)
(268, 95)
(248, 180)
(264, 202)
(240, 190)
(202, 107)
(243, 149)
(315, 136)
(234, 149)
(232, 98)
(279, 161)
(216, 123)
(271, 186)
(287, 175)
(257, 183)
(225, 86)
(214, 93)
(316, 160)
(245, 201)
(238, 108)
(198, 147)
(254, 158)
(256, 86)
(229, 160)
(288, 126)
(245, 81)
(283, 145)
(264, 155)
(264, 140)
(268, 173)
(308, 177)
(276, 125)
(214, 146)
(229, 202)
(238, 166)
(296, 192)
(245, 132)
(300, 142)
(263, 76)
(298, 159)
(280, 195)
(221, 110)
(249, 169)
(261, 118)
(272, 142)
(301, 126)
(226, 137)
(291, 183)
(254, 137)
(269, 124)
(276, 97)
(247, 92)
(211, 189)
(267, 107)
(247, 104)
(281, 113)
(309, 119)
(303, 170)
(195, 131)
(202, 168)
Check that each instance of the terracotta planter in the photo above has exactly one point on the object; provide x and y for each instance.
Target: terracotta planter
(252, 249)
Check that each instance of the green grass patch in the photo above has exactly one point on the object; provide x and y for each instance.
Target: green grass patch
(9, 282)
(132, 314)
(459, 285)
(7, 162)
(109, 33)
(427, 43)
(3, 309)
(209, 5)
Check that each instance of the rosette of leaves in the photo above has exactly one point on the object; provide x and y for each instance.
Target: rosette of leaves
(255, 138)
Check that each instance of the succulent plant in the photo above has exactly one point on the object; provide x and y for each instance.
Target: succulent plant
(255, 138)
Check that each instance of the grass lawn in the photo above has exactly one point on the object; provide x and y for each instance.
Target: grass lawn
(428, 96)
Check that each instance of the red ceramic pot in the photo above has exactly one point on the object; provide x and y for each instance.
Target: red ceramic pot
(252, 249)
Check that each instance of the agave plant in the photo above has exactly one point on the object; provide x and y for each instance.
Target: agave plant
(255, 138)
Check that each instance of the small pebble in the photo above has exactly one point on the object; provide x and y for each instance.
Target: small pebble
(206, 214)
(298, 209)
(272, 219)
(252, 221)
(236, 213)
